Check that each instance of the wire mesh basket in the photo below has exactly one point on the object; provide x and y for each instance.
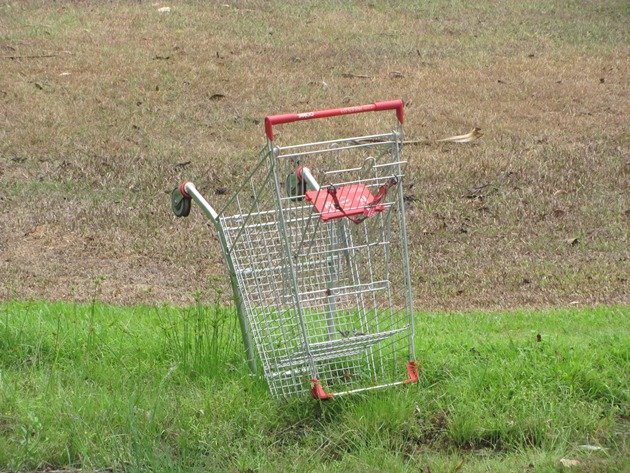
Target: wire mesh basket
(316, 246)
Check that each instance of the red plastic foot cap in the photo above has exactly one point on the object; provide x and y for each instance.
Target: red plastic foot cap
(412, 371)
(318, 392)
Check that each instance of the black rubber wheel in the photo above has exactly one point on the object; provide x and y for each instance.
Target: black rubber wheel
(179, 203)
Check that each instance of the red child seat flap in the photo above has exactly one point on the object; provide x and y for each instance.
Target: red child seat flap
(345, 201)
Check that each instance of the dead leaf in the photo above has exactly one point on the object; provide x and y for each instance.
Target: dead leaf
(572, 241)
(459, 467)
(474, 134)
(39, 86)
(396, 75)
(349, 75)
(33, 56)
(217, 96)
(479, 192)
(560, 192)
(559, 212)
(162, 58)
(592, 448)
(164, 9)
(183, 164)
(569, 463)
(36, 231)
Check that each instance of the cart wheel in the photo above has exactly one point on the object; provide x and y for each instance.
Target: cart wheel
(179, 203)
(295, 187)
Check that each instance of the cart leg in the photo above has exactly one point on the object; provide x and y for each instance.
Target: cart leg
(247, 338)
(333, 279)
(332, 282)
(180, 201)
(405, 256)
(245, 329)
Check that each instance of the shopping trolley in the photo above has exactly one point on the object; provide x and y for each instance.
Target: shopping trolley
(316, 247)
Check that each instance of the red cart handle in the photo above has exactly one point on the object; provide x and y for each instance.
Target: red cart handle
(272, 120)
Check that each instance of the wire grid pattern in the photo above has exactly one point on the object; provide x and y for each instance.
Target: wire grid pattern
(323, 299)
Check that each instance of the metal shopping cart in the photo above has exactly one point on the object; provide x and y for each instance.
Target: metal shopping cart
(316, 247)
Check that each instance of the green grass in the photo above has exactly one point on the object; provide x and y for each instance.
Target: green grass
(95, 386)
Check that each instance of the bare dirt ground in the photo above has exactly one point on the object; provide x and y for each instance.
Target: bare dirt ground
(104, 108)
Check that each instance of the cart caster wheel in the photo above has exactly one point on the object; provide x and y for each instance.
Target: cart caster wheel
(179, 203)
(295, 187)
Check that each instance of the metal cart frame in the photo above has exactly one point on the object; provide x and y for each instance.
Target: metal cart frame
(320, 272)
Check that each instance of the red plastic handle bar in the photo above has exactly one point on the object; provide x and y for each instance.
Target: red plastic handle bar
(272, 120)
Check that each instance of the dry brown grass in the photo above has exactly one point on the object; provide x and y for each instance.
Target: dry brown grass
(91, 138)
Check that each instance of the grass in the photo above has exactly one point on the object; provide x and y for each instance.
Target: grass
(105, 107)
(99, 387)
